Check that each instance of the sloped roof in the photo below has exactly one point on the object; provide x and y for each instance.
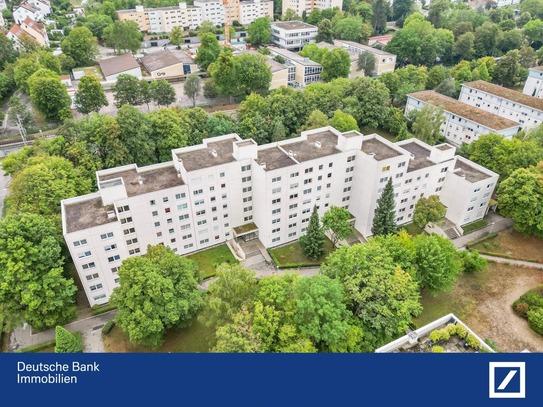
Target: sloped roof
(115, 65)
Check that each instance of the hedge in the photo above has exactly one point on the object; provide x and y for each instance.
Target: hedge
(37, 347)
(100, 309)
(108, 327)
(482, 239)
(505, 256)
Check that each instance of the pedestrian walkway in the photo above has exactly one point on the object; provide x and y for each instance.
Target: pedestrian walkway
(496, 224)
(514, 262)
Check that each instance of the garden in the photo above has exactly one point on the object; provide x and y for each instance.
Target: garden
(209, 259)
(292, 256)
(512, 244)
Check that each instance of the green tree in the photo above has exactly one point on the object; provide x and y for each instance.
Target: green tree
(428, 210)
(366, 62)
(487, 38)
(533, 30)
(290, 15)
(238, 336)
(325, 31)
(90, 96)
(463, 48)
(108, 9)
(252, 73)
(508, 70)
(527, 57)
(168, 131)
(191, 88)
(312, 243)
(427, 125)
(135, 134)
(16, 107)
(315, 120)
(335, 64)
(352, 29)
(97, 23)
(220, 123)
(278, 131)
(534, 7)
(123, 36)
(321, 314)
(381, 9)
(32, 285)
(401, 9)
(209, 50)
(437, 11)
(206, 27)
(472, 262)
(176, 35)
(437, 263)
(67, 342)
(512, 39)
(127, 91)
(157, 291)
(223, 73)
(384, 217)
(343, 121)
(436, 75)
(8, 53)
(162, 92)
(49, 95)
(23, 69)
(80, 45)
(521, 199)
(260, 31)
(338, 221)
(367, 97)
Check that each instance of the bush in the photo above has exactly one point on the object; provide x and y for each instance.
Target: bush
(461, 331)
(533, 298)
(521, 308)
(535, 319)
(472, 342)
(100, 309)
(440, 335)
(37, 347)
(438, 349)
(472, 262)
(108, 327)
(210, 91)
(67, 342)
(492, 344)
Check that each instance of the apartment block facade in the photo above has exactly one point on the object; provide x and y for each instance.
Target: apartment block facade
(463, 123)
(299, 6)
(293, 35)
(523, 109)
(534, 83)
(301, 71)
(164, 19)
(228, 188)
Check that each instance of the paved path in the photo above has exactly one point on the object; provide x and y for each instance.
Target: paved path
(514, 262)
(496, 224)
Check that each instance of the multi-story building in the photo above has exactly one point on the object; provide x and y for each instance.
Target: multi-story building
(43, 5)
(293, 35)
(27, 10)
(481, 4)
(3, 5)
(524, 109)
(301, 71)
(28, 29)
(163, 19)
(534, 83)
(2, 22)
(228, 188)
(309, 5)
(463, 123)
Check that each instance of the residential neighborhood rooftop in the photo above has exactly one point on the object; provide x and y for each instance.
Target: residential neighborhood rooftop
(537, 68)
(289, 55)
(379, 149)
(474, 114)
(274, 158)
(216, 153)
(353, 55)
(315, 146)
(87, 214)
(471, 173)
(292, 25)
(420, 154)
(363, 47)
(115, 65)
(159, 60)
(505, 93)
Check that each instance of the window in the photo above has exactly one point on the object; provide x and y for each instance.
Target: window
(276, 201)
(128, 231)
(384, 169)
(201, 222)
(246, 179)
(134, 251)
(276, 239)
(276, 179)
(247, 189)
(167, 210)
(305, 220)
(157, 224)
(188, 246)
(185, 227)
(441, 179)
(197, 192)
(308, 181)
(439, 189)
(276, 220)
(122, 209)
(306, 210)
(165, 199)
(294, 174)
(245, 168)
(350, 169)
(170, 231)
(180, 196)
(87, 266)
(107, 235)
(92, 276)
(321, 167)
(189, 236)
(221, 175)
(292, 234)
(308, 170)
(276, 190)
(154, 213)
(81, 242)
(328, 185)
(181, 207)
(489, 186)
(200, 213)
(470, 208)
(476, 190)
(277, 230)
(293, 186)
(131, 241)
(402, 164)
(99, 297)
(293, 215)
(183, 217)
(293, 206)
(345, 198)
(293, 196)
(247, 209)
(248, 218)
(346, 189)
(444, 169)
(276, 211)
(116, 280)
(224, 185)
(350, 158)
(399, 175)
(126, 220)
(114, 258)
(95, 287)
(247, 199)
(307, 191)
(204, 241)
(152, 202)
(399, 219)
(348, 179)
(110, 247)
(84, 254)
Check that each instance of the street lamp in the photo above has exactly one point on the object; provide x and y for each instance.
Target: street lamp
(492, 228)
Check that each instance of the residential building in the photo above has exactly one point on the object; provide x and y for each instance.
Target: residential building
(353, 70)
(380, 40)
(301, 71)
(163, 19)
(166, 64)
(534, 83)
(293, 35)
(3, 5)
(384, 61)
(524, 109)
(123, 64)
(482, 4)
(309, 5)
(418, 341)
(43, 5)
(227, 189)
(27, 10)
(2, 22)
(463, 123)
(29, 29)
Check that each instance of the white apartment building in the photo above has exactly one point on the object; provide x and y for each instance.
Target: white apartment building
(301, 71)
(481, 4)
(163, 19)
(384, 61)
(524, 109)
(293, 35)
(309, 5)
(27, 10)
(228, 188)
(534, 83)
(3, 5)
(463, 123)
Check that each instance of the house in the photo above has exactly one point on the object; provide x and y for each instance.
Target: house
(380, 40)
(28, 29)
(463, 123)
(27, 10)
(301, 71)
(43, 5)
(293, 35)
(524, 109)
(307, 6)
(384, 61)
(534, 83)
(230, 190)
(2, 22)
(279, 73)
(481, 4)
(166, 64)
(123, 64)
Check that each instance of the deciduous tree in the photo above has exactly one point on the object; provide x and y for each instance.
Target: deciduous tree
(90, 96)
(67, 342)
(209, 50)
(335, 64)
(176, 35)
(260, 31)
(343, 121)
(192, 88)
(428, 210)
(127, 91)
(162, 92)
(427, 125)
(123, 36)
(366, 62)
(325, 31)
(338, 221)
(80, 45)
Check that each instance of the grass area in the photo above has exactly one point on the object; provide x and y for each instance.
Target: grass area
(291, 255)
(472, 227)
(512, 244)
(383, 133)
(413, 229)
(196, 338)
(209, 259)
(40, 347)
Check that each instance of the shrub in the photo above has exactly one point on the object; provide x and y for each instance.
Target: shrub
(461, 331)
(108, 327)
(535, 319)
(533, 299)
(521, 308)
(439, 335)
(472, 262)
(67, 342)
(472, 342)
(492, 344)
(438, 349)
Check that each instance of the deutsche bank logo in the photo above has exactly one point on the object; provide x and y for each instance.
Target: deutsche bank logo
(507, 380)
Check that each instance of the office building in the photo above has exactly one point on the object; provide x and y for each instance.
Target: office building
(293, 35)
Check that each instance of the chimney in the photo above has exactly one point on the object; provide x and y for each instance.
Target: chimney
(140, 180)
(318, 144)
(214, 152)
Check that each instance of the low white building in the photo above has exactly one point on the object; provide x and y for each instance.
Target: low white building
(463, 123)
(293, 35)
(523, 109)
(43, 5)
(301, 70)
(123, 64)
(249, 11)
(3, 5)
(481, 4)
(309, 5)
(384, 61)
(166, 64)
(534, 83)
(228, 189)
(2, 22)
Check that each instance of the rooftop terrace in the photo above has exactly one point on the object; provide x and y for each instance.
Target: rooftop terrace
(216, 153)
(380, 150)
(471, 174)
(87, 214)
(505, 93)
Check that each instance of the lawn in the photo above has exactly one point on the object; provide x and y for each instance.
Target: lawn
(383, 133)
(413, 229)
(196, 338)
(472, 227)
(483, 301)
(291, 255)
(209, 259)
(514, 245)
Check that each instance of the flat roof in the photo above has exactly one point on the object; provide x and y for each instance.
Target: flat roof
(471, 174)
(292, 25)
(537, 68)
(87, 214)
(472, 113)
(294, 57)
(364, 47)
(274, 158)
(160, 60)
(153, 180)
(380, 150)
(204, 158)
(274, 65)
(353, 55)
(421, 156)
(509, 94)
(115, 65)
(307, 150)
